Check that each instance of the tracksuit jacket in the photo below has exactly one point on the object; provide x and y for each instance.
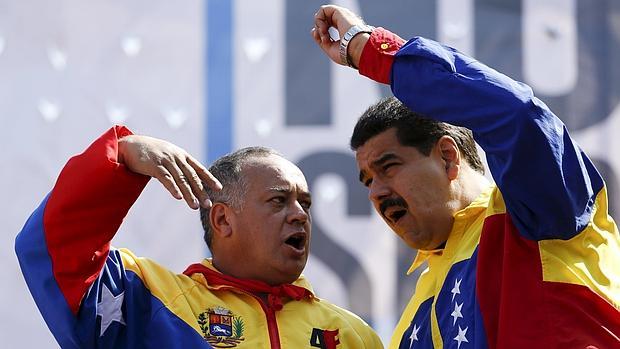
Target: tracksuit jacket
(95, 296)
(534, 262)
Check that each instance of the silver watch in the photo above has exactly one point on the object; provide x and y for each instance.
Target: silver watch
(344, 41)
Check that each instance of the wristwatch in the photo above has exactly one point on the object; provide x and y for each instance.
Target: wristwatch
(344, 41)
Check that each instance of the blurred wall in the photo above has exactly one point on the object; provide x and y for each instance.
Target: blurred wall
(215, 75)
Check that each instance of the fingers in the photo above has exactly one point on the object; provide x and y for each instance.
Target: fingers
(315, 35)
(341, 19)
(194, 183)
(183, 183)
(200, 175)
(329, 47)
(203, 174)
(166, 179)
(322, 22)
(184, 177)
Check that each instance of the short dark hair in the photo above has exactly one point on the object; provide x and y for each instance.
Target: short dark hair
(412, 129)
(229, 171)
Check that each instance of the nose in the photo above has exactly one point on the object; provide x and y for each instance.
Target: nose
(378, 190)
(297, 214)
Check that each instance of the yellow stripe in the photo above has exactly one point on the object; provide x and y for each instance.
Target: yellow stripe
(591, 258)
(462, 242)
(166, 286)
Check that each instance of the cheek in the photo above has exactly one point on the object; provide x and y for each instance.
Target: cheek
(423, 191)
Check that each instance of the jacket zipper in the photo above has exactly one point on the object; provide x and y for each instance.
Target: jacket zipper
(272, 324)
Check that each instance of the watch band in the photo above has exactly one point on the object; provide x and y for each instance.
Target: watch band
(350, 34)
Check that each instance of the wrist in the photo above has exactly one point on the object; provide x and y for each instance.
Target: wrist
(122, 134)
(123, 144)
(352, 44)
(120, 151)
(356, 47)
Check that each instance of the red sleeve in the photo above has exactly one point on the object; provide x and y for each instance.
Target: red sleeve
(85, 209)
(378, 55)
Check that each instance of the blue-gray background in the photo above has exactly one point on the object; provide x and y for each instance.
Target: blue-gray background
(215, 75)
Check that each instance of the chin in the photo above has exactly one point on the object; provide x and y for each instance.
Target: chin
(293, 274)
(416, 242)
(287, 279)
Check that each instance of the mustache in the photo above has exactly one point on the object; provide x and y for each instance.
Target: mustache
(389, 202)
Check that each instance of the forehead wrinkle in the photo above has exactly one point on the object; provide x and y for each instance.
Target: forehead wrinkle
(383, 159)
(377, 163)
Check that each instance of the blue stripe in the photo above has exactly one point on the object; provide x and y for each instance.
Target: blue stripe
(470, 320)
(34, 260)
(148, 322)
(421, 322)
(219, 78)
(145, 329)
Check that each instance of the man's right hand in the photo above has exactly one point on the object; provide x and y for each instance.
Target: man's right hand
(181, 174)
(342, 19)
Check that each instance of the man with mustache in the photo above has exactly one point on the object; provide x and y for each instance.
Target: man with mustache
(531, 261)
(257, 225)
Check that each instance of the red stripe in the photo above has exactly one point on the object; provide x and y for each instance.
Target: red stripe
(520, 310)
(86, 207)
(378, 55)
(272, 324)
(509, 287)
(581, 318)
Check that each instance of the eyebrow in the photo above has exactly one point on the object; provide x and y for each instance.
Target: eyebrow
(285, 190)
(377, 163)
(279, 189)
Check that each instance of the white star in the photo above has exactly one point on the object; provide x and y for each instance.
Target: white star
(109, 308)
(456, 289)
(461, 336)
(414, 335)
(457, 312)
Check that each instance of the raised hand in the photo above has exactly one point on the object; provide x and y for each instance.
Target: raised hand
(181, 174)
(341, 19)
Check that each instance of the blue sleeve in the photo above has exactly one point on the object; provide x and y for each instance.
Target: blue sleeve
(548, 183)
(113, 312)
(86, 295)
(117, 310)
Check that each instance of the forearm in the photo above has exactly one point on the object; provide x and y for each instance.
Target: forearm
(547, 181)
(79, 218)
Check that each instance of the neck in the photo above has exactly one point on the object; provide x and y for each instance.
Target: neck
(234, 268)
(227, 268)
(469, 186)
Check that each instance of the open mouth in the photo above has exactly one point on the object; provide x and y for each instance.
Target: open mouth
(396, 215)
(297, 241)
(393, 209)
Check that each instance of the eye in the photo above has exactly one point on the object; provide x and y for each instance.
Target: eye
(388, 166)
(305, 204)
(279, 200)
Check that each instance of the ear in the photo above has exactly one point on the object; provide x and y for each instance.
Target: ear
(451, 156)
(221, 218)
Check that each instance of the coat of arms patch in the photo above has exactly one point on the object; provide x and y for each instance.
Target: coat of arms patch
(221, 328)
